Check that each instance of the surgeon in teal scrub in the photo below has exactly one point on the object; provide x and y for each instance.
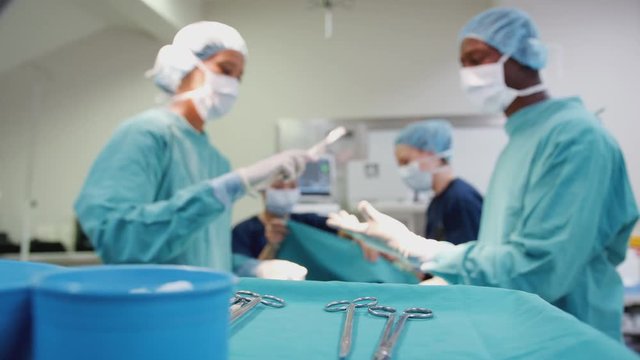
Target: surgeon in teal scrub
(559, 209)
(160, 192)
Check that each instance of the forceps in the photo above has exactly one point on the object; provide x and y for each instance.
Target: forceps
(391, 334)
(350, 307)
(321, 147)
(243, 301)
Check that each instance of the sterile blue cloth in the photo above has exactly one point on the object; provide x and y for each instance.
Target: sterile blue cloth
(469, 322)
(159, 192)
(557, 216)
(331, 257)
(248, 237)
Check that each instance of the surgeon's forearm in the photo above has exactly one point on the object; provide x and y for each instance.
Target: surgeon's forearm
(158, 231)
(511, 266)
(448, 264)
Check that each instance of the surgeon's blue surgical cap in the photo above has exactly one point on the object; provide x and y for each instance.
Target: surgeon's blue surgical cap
(511, 32)
(428, 135)
(202, 39)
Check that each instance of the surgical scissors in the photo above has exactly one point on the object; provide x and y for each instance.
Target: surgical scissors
(247, 300)
(391, 334)
(350, 307)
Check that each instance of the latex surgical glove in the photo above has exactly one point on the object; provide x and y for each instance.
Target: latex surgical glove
(288, 164)
(275, 231)
(280, 270)
(391, 232)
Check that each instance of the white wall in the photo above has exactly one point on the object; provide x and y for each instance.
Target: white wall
(31, 28)
(599, 42)
(392, 58)
(87, 89)
(179, 13)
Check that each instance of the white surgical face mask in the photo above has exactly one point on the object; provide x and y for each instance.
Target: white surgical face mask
(485, 86)
(280, 202)
(215, 97)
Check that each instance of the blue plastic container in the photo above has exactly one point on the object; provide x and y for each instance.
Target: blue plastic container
(16, 280)
(133, 312)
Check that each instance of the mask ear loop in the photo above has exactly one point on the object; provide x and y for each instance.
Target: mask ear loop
(187, 95)
(532, 90)
(419, 163)
(443, 155)
(503, 59)
(528, 91)
(200, 65)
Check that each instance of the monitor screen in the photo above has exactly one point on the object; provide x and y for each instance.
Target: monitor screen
(316, 179)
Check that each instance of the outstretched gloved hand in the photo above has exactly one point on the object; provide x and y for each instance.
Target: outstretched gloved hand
(390, 233)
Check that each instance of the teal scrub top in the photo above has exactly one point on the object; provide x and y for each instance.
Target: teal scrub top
(557, 216)
(160, 193)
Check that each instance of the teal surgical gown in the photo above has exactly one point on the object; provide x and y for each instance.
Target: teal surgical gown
(557, 216)
(160, 193)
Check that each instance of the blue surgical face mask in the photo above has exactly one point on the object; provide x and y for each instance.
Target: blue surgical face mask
(280, 202)
(416, 178)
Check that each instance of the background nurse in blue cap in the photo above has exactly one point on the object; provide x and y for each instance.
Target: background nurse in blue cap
(424, 151)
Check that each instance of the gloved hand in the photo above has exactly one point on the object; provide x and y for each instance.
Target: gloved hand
(280, 270)
(289, 164)
(391, 232)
